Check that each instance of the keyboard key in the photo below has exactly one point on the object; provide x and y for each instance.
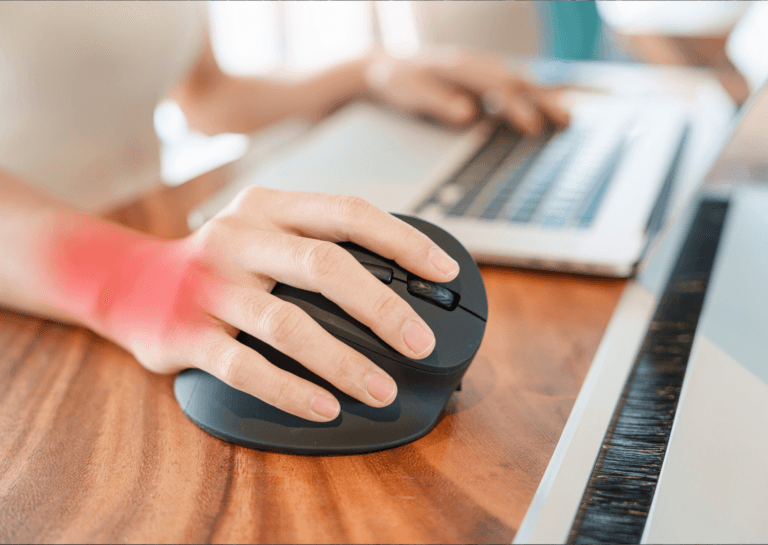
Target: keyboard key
(475, 175)
(591, 204)
(449, 195)
(541, 178)
(555, 219)
(578, 181)
(508, 175)
(556, 180)
(501, 198)
(461, 184)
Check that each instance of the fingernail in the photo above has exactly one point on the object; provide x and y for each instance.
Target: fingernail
(381, 387)
(418, 337)
(325, 407)
(442, 262)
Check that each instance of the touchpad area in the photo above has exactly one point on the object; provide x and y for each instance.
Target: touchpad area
(362, 150)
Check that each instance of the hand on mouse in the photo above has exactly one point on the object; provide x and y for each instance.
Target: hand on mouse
(179, 304)
(451, 86)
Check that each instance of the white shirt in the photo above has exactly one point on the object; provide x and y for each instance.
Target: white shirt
(669, 18)
(79, 82)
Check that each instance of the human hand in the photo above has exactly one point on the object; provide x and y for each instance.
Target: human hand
(454, 86)
(179, 304)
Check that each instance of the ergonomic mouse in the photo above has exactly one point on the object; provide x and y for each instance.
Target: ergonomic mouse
(456, 311)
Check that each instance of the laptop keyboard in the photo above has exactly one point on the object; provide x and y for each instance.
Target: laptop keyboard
(555, 180)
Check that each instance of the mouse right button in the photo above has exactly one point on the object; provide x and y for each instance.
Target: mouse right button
(469, 282)
(458, 333)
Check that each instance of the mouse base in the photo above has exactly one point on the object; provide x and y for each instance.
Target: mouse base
(239, 418)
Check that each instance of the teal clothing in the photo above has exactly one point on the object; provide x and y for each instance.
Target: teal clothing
(574, 29)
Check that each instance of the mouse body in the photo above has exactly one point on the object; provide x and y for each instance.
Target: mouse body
(456, 311)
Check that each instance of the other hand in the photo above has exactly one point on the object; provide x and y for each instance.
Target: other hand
(455, 87)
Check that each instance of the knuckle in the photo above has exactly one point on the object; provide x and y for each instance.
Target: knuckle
(249, 201)
(280, 322)
(217, 235)
(231, 367)
(252, 304)
(352, 209)
(345, 366)
(386, 306)
(322, 259)
(249, 195)
(410, 234)
(281, 393)
(212, 233)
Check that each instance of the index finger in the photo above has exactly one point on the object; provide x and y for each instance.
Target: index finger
(549, 101)
(483, 76)
(349, 218)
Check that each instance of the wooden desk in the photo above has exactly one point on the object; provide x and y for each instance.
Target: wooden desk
(95, 448)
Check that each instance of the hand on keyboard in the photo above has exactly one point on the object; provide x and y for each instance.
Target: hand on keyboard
(457, 87)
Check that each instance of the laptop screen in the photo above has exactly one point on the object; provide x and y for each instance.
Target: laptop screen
(744, 156)
(748, 43)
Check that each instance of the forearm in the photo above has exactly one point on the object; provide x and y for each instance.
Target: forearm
(58, 262)
(223, 103)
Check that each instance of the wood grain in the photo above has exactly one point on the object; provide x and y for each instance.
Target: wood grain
(94, 448)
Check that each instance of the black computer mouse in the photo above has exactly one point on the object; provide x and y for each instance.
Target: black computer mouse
(456, 311)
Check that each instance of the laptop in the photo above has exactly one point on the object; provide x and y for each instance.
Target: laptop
(667, 440)
(578, 199)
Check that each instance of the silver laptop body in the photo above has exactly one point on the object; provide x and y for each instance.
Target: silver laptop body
(579, 199)
(713, 483)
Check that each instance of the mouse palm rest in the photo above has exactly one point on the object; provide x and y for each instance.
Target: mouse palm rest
(424, 386)
(242, 419)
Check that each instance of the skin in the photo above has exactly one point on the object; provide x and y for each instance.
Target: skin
(705, 51)
(180, 303)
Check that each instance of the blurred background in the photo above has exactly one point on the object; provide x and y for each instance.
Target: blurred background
(292, 39)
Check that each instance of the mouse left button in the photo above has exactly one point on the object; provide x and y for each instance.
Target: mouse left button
(382, 273)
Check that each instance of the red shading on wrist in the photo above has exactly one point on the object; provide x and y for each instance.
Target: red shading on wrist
(122, 283)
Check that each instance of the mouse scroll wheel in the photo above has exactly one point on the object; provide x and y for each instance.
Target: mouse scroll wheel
(434, 293)
(382, 273)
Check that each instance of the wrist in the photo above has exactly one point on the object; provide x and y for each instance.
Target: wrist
(365, 67)
(90, 267)
(378, 68)
(336, 87)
